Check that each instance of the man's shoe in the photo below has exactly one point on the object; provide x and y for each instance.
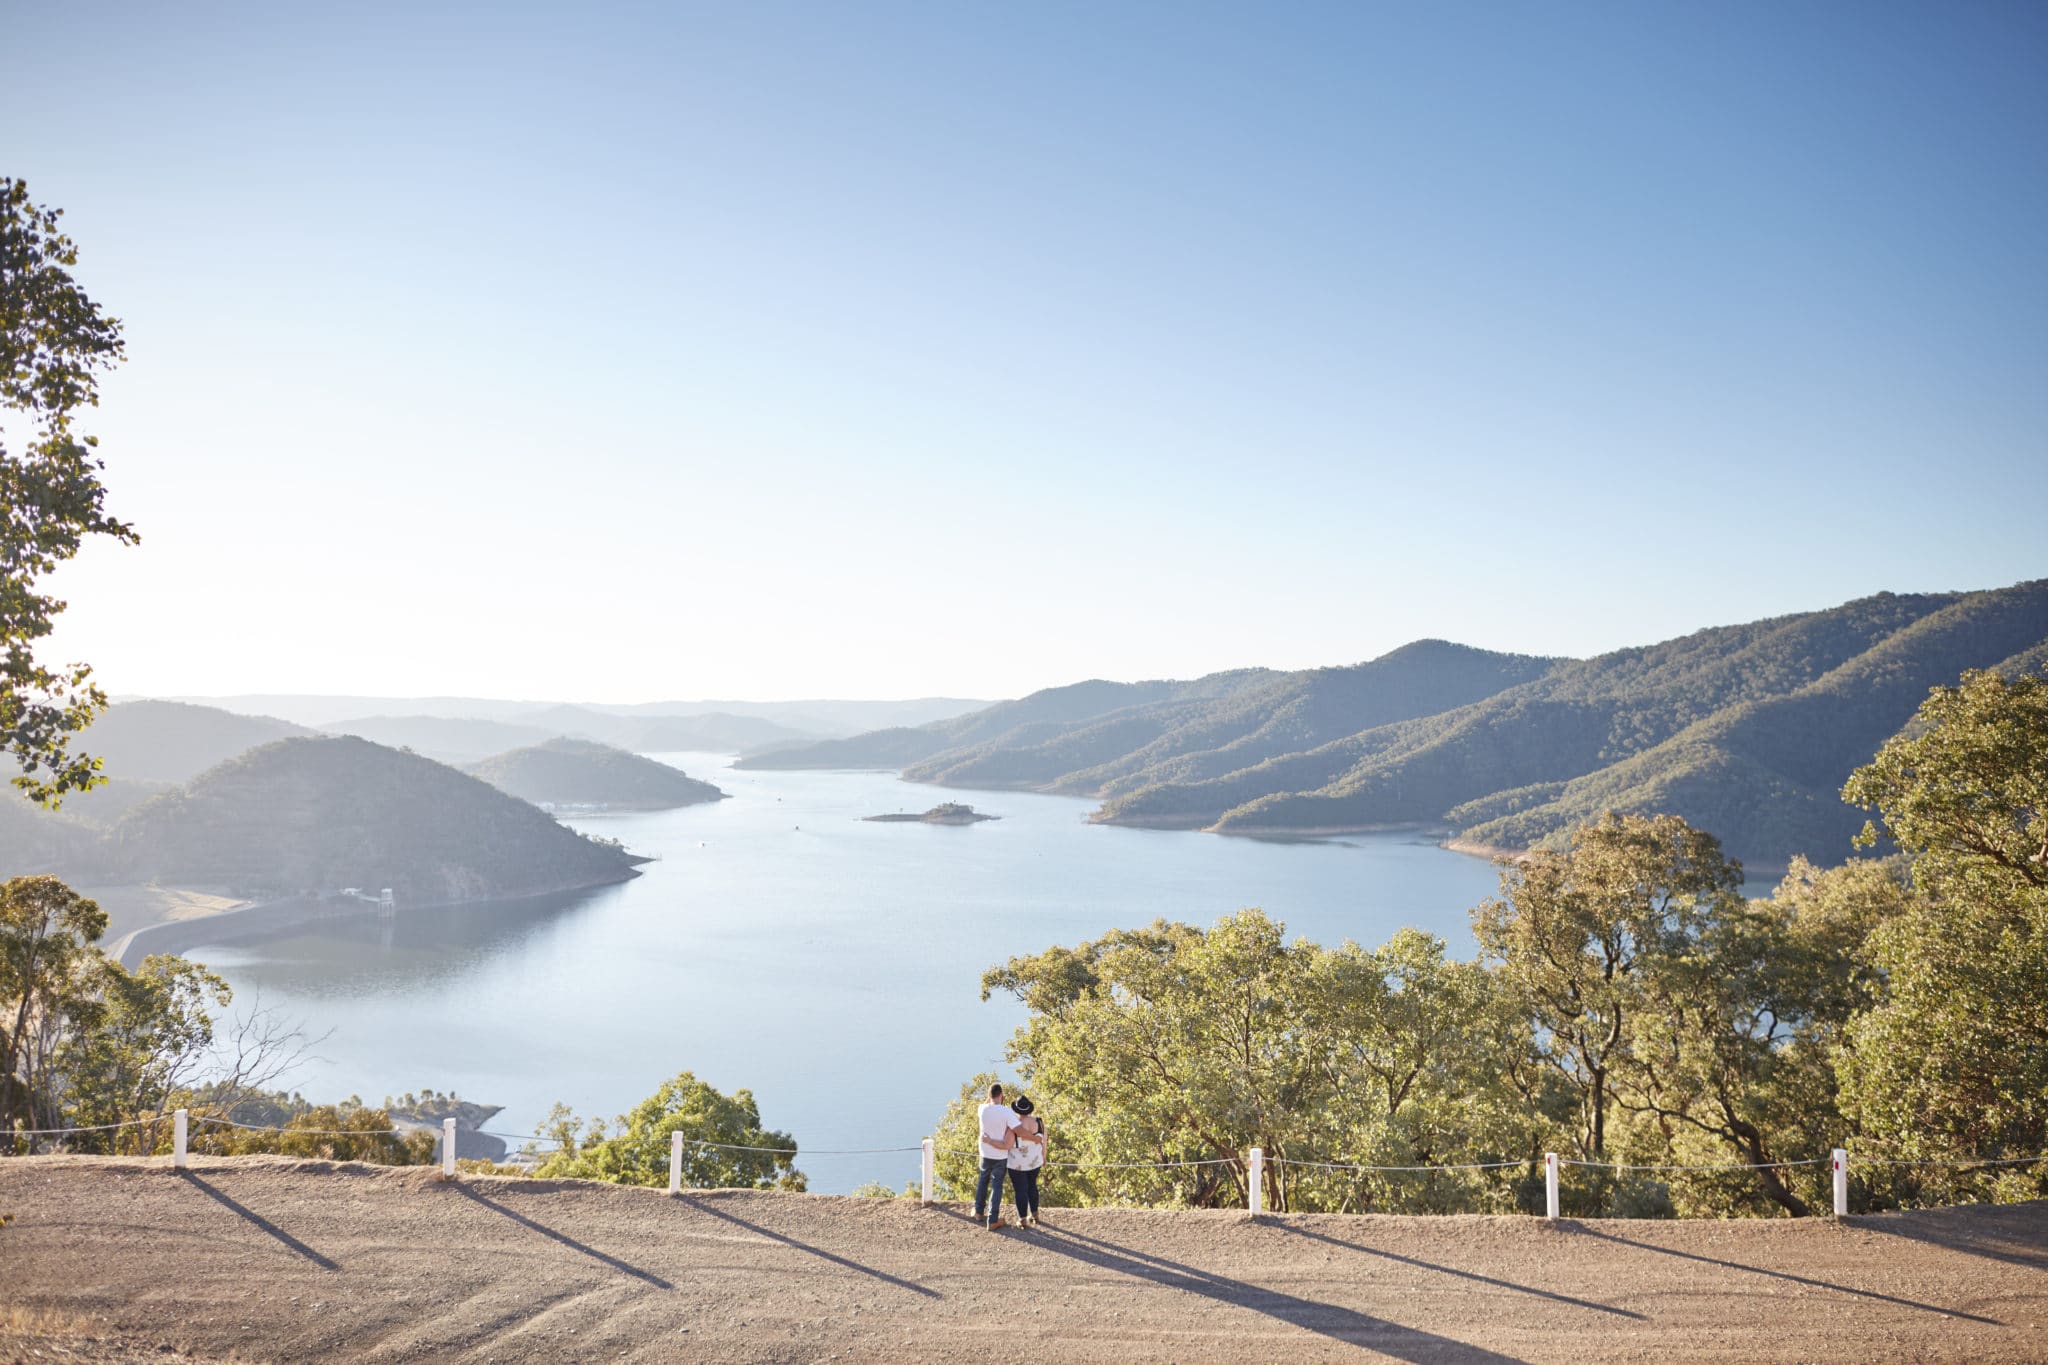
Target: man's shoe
(994, 1223)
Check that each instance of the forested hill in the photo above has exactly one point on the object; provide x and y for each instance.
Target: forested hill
(330, 812)
(577, 772)
(1048, 712)
(1745, 730)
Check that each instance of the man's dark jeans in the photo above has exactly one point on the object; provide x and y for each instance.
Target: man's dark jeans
(996, 1167)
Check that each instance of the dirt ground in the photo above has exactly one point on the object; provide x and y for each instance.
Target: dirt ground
(266, 1258)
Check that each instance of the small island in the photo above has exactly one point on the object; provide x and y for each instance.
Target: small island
(945, 813)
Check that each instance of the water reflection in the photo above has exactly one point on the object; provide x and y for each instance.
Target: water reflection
(783, 944)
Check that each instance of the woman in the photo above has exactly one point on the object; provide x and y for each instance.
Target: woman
(1026, 1157)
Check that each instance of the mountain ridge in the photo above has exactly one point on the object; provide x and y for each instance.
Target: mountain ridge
(1747, 729)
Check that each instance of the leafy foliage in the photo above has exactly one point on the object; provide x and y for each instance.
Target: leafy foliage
(1176, 1044)
(54, 344)
(1631, 1009)
(1951, 1060)
(87, 1045)
(638, 1152)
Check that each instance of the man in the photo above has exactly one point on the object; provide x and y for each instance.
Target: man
(999, 1125)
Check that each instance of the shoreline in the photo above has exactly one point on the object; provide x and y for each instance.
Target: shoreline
(265, 918)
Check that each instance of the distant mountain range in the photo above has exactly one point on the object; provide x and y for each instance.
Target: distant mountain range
(169, 741)
(1747, 731)
(578, 772)
(800, 719)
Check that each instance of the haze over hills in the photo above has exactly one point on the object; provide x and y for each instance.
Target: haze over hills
(450, 739)
(578, 772)
(708, 732)
(1748, 731)
(168, 741)
(826, 717)
(1041, 714)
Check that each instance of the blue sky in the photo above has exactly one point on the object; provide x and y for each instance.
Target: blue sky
(626, 352)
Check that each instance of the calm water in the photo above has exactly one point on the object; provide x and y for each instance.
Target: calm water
(783, 945)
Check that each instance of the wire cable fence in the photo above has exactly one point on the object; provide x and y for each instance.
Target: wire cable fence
(1253, 1161)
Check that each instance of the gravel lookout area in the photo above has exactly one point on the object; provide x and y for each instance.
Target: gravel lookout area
(268, 1258)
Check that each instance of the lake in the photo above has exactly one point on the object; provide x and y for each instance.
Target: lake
(783, 945)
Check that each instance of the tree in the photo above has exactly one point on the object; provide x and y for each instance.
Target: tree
(1965, 789)
(136, 1039)
(1729, 1059)
(1174, 1044)
(54, 343)
(638, 1153)
(46, 935)
(1582, 935)
(1951, 1061)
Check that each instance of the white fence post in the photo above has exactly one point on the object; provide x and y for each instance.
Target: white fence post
(448, 1147)
(1841, 1183)
(928, 1168)
(1550, 1185)
(1255, 1180)
(675, 1163)
(180, 1158)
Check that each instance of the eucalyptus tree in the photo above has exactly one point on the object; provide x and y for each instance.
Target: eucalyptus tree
(1589, 938)
(1161, 1056)
(1951, 1061)
(725, 1142)
(54, 345)
(46, 935)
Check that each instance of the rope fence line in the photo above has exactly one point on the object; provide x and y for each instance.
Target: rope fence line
(1718, 1166)
(1254, 1159)
(91, 1128)
(1348, 1166)
(1959, 1165)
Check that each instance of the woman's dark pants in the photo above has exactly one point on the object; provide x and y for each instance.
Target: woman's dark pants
(998, 1167)
(1025, 1184)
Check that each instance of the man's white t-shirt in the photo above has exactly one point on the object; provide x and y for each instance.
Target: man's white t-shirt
(996, 1122)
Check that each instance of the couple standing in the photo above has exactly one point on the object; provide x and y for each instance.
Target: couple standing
(1012, 1144)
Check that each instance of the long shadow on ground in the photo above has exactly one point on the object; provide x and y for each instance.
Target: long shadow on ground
(623, 1267)
(257, 1220)
(1585, 1231)
(1461, 1274)
(2011, 1233)
(704, 1206)
(1331, 1320)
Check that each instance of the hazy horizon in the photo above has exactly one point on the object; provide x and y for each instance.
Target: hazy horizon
(884, 351)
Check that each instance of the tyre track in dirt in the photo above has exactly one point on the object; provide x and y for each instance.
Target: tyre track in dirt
(264, 1258)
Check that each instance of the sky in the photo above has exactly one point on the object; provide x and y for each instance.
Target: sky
(621, 353)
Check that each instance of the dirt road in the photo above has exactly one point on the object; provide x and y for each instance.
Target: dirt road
(263, 1258)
